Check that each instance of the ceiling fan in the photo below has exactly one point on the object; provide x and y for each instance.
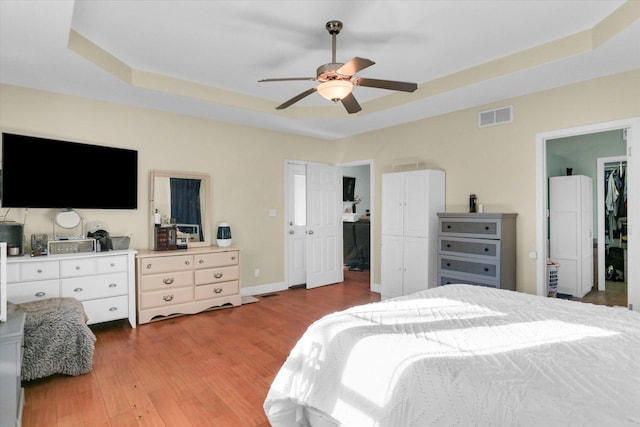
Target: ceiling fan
(337, 79)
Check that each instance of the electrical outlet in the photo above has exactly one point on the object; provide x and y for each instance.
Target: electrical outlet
(256, 272)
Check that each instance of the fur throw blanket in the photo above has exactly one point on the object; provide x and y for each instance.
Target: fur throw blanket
(57, 339)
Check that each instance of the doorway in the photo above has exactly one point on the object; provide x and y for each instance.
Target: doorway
(631, 127)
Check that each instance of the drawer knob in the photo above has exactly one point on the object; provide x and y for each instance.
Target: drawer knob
(217, 290)
(77, 290)
(486, 227)
(113, 285)
(448, 227)
(167, 297)
(448, 245)
(201, 261)
(486, 249)
(148, 266)
(486, 269)
(233, 258)
(39, 270)
(112, 264)
(217, 275)
(77, 267)
(187, 262)
(168, 280)
(448, 264)
(113, 309)
(40, 294)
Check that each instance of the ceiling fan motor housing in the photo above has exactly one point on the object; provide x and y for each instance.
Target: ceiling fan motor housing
(328, 72)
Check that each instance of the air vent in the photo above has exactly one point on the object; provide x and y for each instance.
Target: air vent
(495, 117)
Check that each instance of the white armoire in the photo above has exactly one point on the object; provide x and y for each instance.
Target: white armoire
(571, 232)
(410, 203)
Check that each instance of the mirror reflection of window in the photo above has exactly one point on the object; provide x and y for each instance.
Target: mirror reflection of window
(300, 200)
(185, 202)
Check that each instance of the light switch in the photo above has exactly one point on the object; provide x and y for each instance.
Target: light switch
(272, 212)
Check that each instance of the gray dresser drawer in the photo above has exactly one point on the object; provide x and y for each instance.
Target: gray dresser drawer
(450, 279)
(472, 247)
(469, 266)
(477, 227)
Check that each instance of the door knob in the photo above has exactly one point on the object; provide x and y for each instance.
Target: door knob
(310, 231)
(292, 232)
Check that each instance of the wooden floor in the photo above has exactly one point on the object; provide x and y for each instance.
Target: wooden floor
(615, 293)
(209, 369)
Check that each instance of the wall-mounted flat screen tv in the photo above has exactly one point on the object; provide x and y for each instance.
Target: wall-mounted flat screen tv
(47, 173)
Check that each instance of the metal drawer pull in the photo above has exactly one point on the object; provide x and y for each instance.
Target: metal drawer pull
(148, 266)
(112, 264)
(217, 275)
(187, 262)
(486, 249)
(77, 267)
(448, 245)
(233, 258)
(39, 270)
(217, 290)
(78, 290)
(40, 294)
(448, 264)
(113, 309)
(201, 261)
(113, 285)
(486, 227)
(486, 269)
(168, 280)
(167, 297)
(448, 227)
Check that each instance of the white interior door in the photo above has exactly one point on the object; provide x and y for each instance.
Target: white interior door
(324, 225)
(296, 200)
(313, 224)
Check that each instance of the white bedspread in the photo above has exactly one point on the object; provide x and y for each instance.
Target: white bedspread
(461, 355)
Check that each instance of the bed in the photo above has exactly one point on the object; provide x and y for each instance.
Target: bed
(462, 355)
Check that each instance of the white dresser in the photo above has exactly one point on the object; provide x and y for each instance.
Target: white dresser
(186, 281)
(103, 281)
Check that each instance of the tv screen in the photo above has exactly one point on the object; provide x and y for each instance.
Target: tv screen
(47, 173)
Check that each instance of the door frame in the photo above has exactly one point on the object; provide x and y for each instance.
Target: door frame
(372, 219)
(632, 125)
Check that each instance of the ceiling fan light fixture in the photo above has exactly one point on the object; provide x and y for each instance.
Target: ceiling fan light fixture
(335, 90)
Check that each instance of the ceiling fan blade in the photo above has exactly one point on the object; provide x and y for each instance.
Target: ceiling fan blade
(296, 98)
(385, 84)
(355, 65)
(286, 79)
(351, 104)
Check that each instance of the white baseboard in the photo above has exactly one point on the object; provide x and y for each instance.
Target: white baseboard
(263, 289)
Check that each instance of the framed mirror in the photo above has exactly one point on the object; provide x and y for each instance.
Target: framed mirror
(181, 198)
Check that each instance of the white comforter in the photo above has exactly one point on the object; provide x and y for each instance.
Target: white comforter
(461, 355)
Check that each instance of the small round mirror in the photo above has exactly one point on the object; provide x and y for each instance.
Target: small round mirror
(68, 219)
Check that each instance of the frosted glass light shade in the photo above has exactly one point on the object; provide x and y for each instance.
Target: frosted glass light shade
(335, 90)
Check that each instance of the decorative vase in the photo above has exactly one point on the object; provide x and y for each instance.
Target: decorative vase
(224, 235)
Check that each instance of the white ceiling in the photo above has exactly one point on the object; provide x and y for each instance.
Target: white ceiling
(209, 55)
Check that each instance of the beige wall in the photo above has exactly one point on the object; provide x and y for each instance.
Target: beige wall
(496, 163)
(247, 165)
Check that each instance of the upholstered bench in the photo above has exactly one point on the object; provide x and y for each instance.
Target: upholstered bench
(57, 339)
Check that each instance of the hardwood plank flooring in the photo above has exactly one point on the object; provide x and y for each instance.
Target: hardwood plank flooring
(209, 369)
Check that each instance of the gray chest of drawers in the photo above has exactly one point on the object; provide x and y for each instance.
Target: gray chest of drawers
(477, 249)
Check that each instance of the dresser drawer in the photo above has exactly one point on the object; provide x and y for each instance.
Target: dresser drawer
(41, 270)
(472, 247)
(486, 269)
(112, 264)
(174, 279)
(106, 309)
(78, 267)
(215, 275)
(163, 264)
(101, 286)
(13, 273)
(451, 279)
(166, 297)
(483, 228)
(216, 290)
(32, 291)
(217, 259)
